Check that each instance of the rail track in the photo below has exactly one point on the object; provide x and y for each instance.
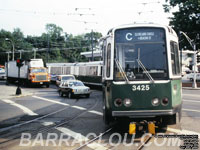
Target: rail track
(7, 139)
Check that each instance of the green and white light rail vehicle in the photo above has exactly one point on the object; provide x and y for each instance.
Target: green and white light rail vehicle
(141, 74)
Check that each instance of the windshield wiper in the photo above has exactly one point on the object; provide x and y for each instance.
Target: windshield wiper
(121, 70)
(145, 70)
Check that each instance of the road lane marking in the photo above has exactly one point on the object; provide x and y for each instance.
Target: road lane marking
(80, 138)
(191, 101)
(76, 107)
(49, 100)
(187, 132)
(96, 112)
(191, 110)
(191, 95)
(48, 123)
(30, 121)
(23, 108)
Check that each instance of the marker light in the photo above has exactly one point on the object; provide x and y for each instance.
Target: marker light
(165, 101)
(127, 102)
(155, 102)
(118, 102)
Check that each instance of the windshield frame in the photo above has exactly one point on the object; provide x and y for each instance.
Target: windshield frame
(71, 84)
(45, 70)
(165, 48)
(68, 78)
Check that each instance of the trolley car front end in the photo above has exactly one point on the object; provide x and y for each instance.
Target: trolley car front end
(141, 74)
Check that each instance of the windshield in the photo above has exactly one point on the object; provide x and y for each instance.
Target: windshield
(38, 70)
(68, 78)
(136, 46)
(76, 84)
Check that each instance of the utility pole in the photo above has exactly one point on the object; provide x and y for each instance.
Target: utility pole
(193, 45)
(13, 48)
(195, 66)
(35, 50)
(92, 45)
(20, 51)
(92, 33)
(8, 56)
(48, 49)
(7, 68)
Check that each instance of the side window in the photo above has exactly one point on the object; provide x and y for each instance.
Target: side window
(108, 60)
(104, 53)
(175, 58)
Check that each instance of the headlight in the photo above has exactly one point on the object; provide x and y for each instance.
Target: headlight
(127, 102)
(165, 101)
(118, 102)
(155, 102)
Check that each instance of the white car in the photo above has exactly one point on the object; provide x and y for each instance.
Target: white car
(63, 78)
(73, 88)
(191, 76)
(2, 73)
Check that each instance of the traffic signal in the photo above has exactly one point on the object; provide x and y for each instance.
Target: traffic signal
(198, 58)
(20, 62)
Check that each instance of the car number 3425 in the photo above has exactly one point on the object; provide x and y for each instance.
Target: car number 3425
(140, 87)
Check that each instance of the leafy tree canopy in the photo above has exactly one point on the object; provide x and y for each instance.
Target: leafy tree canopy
(53, 46)
(187, 19)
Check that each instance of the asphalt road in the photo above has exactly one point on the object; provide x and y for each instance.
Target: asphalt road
(43, 120)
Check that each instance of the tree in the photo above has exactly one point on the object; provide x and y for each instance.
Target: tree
(54, 45)
(187, 19)
(5, 45)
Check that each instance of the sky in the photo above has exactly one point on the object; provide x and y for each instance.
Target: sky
(78, 16)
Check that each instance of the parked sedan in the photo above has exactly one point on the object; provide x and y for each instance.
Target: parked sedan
(2, 73)
(191, 76)
(73, 88)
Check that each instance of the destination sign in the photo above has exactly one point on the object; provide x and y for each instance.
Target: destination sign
(139, 34)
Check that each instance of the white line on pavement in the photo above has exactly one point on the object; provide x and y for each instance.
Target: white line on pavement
(191, 110)
(191, 101)
(183, 131)
(23, 108)
(80, 138)
(47, 123)
(52, 101)
(77, 107)
(96, 112)
(191, 95)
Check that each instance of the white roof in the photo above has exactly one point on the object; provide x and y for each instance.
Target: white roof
(143, 25)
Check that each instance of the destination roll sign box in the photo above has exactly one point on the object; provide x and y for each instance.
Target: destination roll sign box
(135, 35)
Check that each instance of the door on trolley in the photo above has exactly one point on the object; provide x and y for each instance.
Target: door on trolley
(107, 60)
